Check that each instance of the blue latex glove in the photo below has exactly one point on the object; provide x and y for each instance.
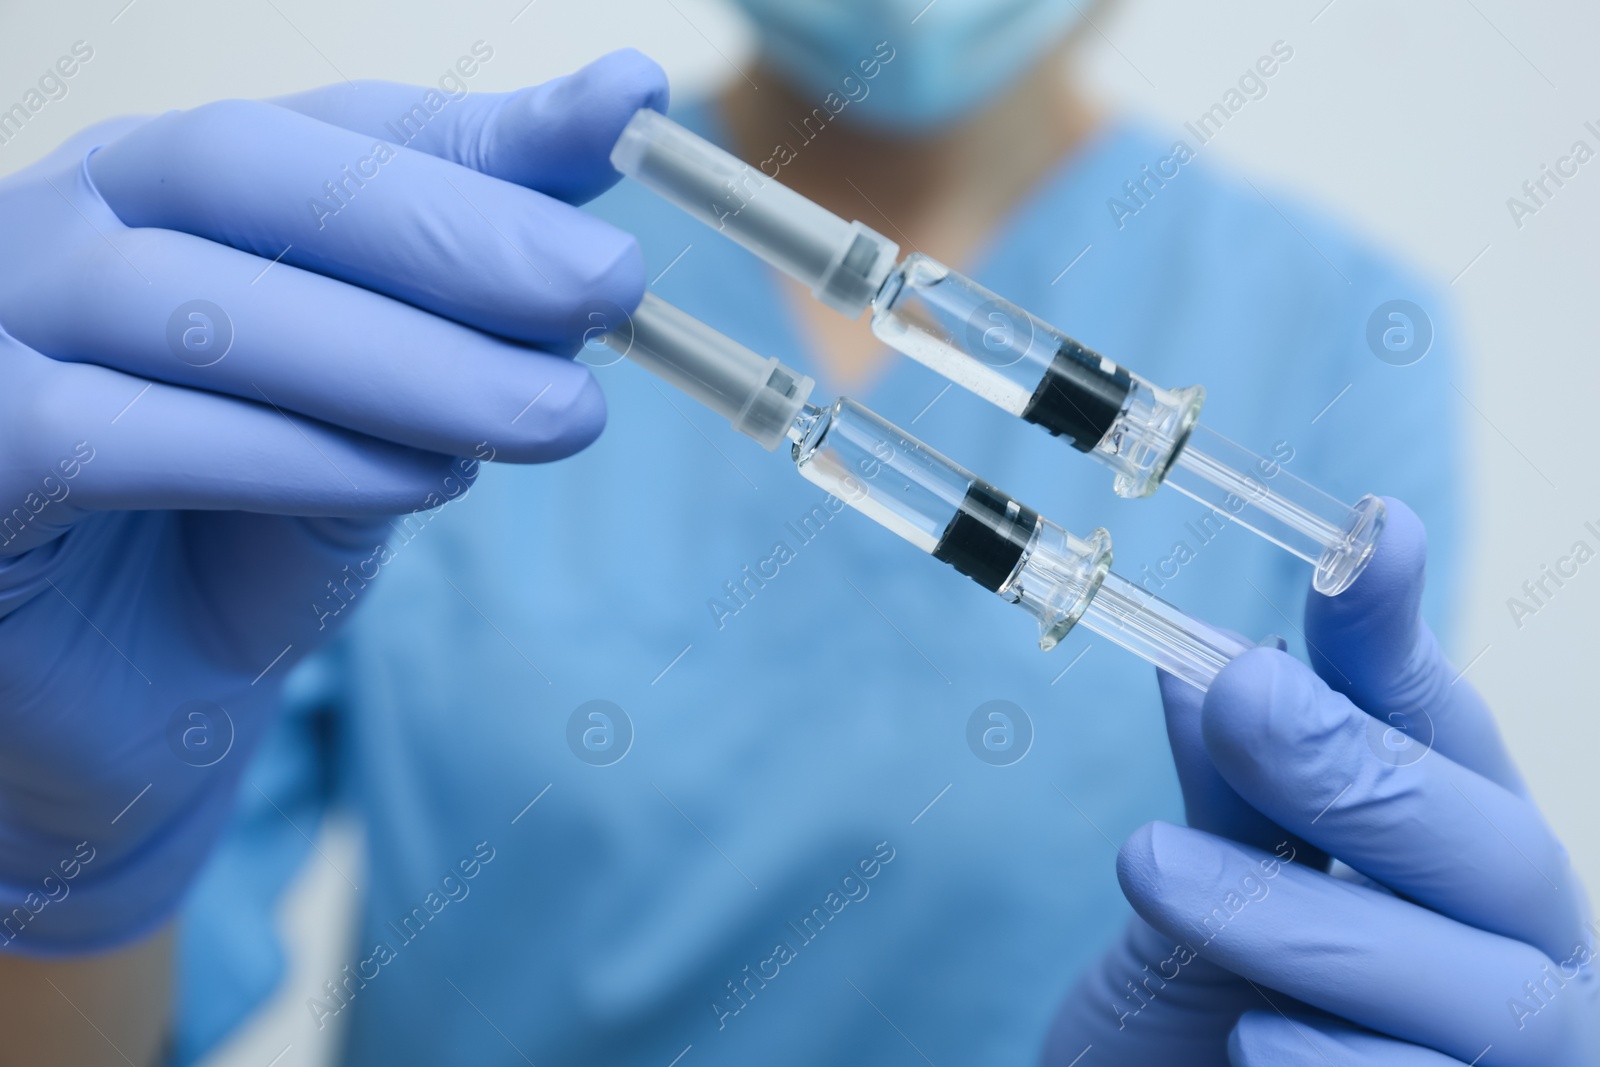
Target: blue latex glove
(1458, 932)
(217, 378)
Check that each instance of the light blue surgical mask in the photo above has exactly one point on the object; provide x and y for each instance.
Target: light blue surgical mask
(908, 65)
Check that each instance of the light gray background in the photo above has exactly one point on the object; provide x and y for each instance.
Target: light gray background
(1413, 121)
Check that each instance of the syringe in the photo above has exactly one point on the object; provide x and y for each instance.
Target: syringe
(1147, 435)
(903, 485)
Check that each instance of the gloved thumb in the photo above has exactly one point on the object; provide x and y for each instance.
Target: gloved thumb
(1209, 802)
(1371, 644)
(1369, 640)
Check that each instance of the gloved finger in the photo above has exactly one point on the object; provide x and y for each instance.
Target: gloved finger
(1361, 954)
(1422, 825)
(1150, 997)
(1371, 644)
(88, 438)
(1209, 802)
(172, 307)
(1270, 1039)
(556, 137)
(443, 237)
(70, 151)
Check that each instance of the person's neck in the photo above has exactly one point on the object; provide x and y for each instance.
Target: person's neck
(940, 193)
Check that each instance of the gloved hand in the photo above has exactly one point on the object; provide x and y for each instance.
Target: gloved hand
(1458, 933)
(232, 340)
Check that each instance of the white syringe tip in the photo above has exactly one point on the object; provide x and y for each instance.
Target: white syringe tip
(634, 141)
(758, 395)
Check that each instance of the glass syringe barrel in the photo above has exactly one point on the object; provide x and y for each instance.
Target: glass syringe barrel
(994, 348)
(954, 516)
(1000, 543)
(1019, 362)
(897, 481)
(991, 347)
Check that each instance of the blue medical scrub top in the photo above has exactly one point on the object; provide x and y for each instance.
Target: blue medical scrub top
(800, 856)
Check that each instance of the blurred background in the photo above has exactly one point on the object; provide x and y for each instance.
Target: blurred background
(1414, 123)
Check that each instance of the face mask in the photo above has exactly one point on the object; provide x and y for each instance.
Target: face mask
(907, 64)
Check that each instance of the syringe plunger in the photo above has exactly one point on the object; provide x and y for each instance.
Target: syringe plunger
(759, 395)
(843, 263)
